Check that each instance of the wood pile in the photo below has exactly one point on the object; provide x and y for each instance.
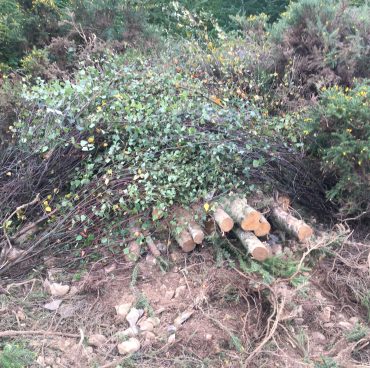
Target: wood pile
(246, 223)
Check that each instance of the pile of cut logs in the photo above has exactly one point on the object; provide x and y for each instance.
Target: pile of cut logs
(236, 215)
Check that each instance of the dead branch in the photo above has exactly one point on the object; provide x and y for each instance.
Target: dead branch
(12, 333)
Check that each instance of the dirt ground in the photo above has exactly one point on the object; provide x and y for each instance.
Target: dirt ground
(234, 319)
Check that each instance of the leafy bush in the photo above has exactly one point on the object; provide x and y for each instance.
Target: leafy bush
(339, 131)
(12, 38)
(15, 356)
(321, 43)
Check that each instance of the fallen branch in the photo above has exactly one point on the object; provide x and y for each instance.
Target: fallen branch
(12, 333)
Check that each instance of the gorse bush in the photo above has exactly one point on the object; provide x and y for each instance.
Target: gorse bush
(339, 132)
(321, 43)
(16, 356)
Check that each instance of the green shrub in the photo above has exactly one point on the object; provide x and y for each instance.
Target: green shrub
(12, 38)
(16, 356)
(339, 134)
(321, 43)
(35, 63)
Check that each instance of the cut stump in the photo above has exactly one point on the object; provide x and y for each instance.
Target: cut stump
(263, 228)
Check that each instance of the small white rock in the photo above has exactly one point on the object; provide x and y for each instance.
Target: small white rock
(58, 289)
(180, 291)
(318, 336)
(354, 320)
(209, 337)
(155, 321)
(130, 346)
(129, 332)
(182, 318)
(97, 340)
(54, 305)
(146, 326)
(345, 325)
(325, 315)
(171, 339)
(169, 294)
(133, 316)
(123, 309)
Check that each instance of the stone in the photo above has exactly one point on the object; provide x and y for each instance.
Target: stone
(169, 294)
(129, 332)
(53, 305)
(345, 325)
(318, 336)
(182, 318)
(209, 337)
(325, 315)
(56, 289)
(171, 339)
(97, 340)
(132, 345)
(133, 316)
(354, 320)
(146, 326)
(123, 309)
(180, 291)
(155, 321)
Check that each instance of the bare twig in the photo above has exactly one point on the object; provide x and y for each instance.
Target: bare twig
(12, 333)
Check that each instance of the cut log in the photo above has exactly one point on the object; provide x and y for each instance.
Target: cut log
(263, 228)
(243, 214)
(152, 247)
(189, 228)
(253, 245)
(224, 221)
(196, 232)
(294, 227)
(185, 241)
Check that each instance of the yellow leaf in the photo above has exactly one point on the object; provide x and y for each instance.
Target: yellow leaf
(216, 100)
(206, 206)
(91, 139)
(47, 209)
(45, 203)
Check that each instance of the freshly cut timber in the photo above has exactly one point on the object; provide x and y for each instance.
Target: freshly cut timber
(241, 212)
(191, 233)
(224, 221)
(253, 245)
(185, 241)
(196, 232)
(263, 228)
(285, 221)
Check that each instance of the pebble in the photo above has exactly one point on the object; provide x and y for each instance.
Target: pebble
(97, 340)
(146, 326)
(180, 291)
(182, 318)
(345, 325)
(123, 309)
(325, 315)
(130, 346)
(133, 316)
(318, 336)
(171, 339)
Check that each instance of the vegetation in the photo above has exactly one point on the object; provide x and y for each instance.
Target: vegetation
(114, 113)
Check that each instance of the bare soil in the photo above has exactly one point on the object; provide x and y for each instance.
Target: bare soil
(237, 320)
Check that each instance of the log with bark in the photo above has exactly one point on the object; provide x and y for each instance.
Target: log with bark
(291, 225)
(241, 212)
(223, 220)
(258, 250)
(185, 241)
(190, 232)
